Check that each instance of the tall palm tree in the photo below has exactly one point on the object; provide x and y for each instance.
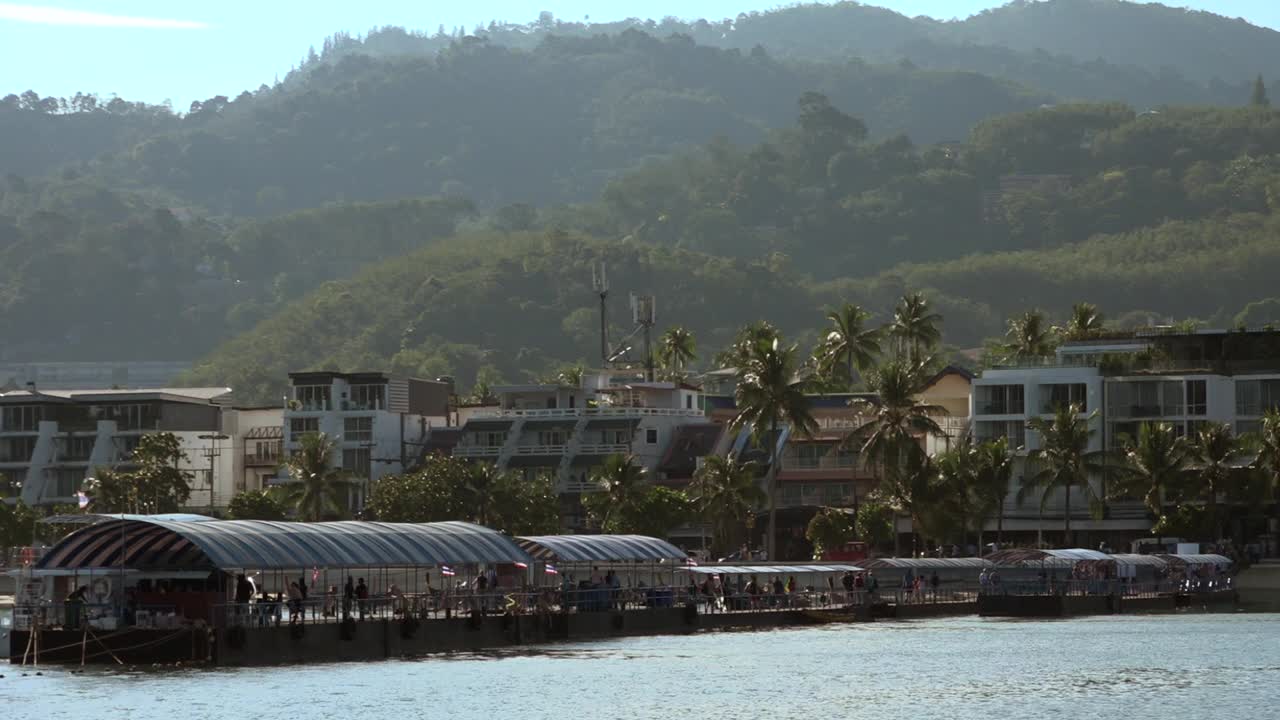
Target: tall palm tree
(726, 492)
(1153, 463)
(676, 349)
(915, 327)
(771, 393)
(318, 489)
(1085, 322)
(898, 421)
(911, 486)
(748, 337)
(958, 469)
(1064, 462)
(1217, 459)
(1267, 463)
(477, 489)
(1028, 336)
(622, 482)
(850, 343)
(991, 482)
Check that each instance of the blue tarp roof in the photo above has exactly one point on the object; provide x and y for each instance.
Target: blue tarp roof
(147, 542)
(600, 548)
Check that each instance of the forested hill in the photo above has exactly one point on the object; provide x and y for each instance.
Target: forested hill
(1144, 54)
(496, 124)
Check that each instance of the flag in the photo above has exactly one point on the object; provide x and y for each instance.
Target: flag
(82, 500)
(315, 574)
(691, 562)
(551, 570)
(446, 571)
(522, 566)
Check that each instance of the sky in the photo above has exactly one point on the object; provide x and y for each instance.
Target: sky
(153, 50)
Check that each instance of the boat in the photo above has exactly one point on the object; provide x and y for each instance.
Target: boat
(843, 615)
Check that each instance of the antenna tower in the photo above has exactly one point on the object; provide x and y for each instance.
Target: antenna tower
(600, 283)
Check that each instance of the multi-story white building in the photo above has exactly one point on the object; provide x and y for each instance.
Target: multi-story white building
(52, 440)
(380, 422)
(569, 431)
(1120, 382)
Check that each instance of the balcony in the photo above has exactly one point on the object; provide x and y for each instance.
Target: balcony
(800, 464)
(1146, 411)
(818, 499)
(599, 412)
(477, 451)
(262, 459)
(604, 449)
(535, 450)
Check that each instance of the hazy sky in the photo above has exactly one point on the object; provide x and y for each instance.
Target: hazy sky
(156, 49)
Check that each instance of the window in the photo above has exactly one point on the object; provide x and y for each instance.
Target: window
(807, 456)
(301, 426)
(551, 437)
(688, 402)
(1062, 395)
(999, 400)
(1248, 427)
(21, 418)
(75, 448)
(1015, 431)
(1147, 399)
(651, 436)
(17, 450)
(493, 439)
(67, 482)
(130, 417)
(357, 429)
(616, 437)
(1196, 397)
(357, 461)
(1255, 397)
(368, 397)
(313, 397)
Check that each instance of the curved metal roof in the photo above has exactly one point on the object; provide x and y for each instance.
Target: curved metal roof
(147, 542)
(1064, 556)
(600, 548)
(1210, 559)
(925, 563)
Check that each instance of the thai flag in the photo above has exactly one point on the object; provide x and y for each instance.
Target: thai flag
(82, 500)
(522, 566)
(446, 571)
(691, 562)
(551, 570)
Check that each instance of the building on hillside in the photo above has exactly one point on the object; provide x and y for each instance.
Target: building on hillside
(380, 422)
(52, 440)
(568, 431)
(1120, 382)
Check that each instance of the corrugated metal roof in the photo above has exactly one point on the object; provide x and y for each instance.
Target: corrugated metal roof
(1210, 559)
(925, 563)
(600, 548)
(772, 569)
(263, 545)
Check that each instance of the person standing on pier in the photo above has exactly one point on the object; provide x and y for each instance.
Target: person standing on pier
(362, 597)
(348, 598)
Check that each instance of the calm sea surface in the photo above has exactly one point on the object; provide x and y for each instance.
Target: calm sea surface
(1166, 667)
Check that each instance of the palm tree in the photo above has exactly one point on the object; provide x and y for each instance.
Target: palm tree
(676, 350)
(1151, 465)
(991, 482)
(771, 394)
(1217, 458)
(850, 344)
(1064, 461)
(735, 355)
(726, 492)
(1085, 322)
(898, 420)
(318, 489)
(911, 486)
(621, 483)
(958, 470)
(915, 327)
(1028, 337)
(477, 489)
(1267, 462)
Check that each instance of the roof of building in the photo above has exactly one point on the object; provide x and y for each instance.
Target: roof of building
(773, 569)
(951, 370)
(267, 432)
(600, 548)
(195, 394)
(146, 542)
(925, 563)
(689, 443)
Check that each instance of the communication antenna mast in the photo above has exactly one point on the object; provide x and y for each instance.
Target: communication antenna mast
(644, 314)
(600, 283)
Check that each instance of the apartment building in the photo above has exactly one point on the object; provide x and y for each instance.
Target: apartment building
(380, 422)
(1120, 382)
(52, 440)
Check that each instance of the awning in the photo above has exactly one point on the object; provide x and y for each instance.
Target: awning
(600, 548)
(149, 543)
(1056, 558)
(771, 569)
(968, 563)
(1219, 561)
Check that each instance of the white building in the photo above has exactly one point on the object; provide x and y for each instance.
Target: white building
(1183, 379)
(380, 422)
(569, 431)
(52, 440)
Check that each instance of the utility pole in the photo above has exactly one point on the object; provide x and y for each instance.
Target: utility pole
(600, 283)
(212, 452)
(643, 312)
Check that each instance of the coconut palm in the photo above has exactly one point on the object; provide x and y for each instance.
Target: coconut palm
(849, 344)
(991, 482)
(1155, 461)
(748, 337)
(1267, 462)
(1063, 462)
(676, 350)
(1028, 336)
(915, 327)
(897, 422)
(1217, 459)
(622, 482)
(1085, 322)
(477, 490)
(912, 486)
(726, 492)
(771, 394)
(958, 469)
(318, 489)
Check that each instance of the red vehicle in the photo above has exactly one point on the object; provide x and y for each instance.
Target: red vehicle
(848, 551)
